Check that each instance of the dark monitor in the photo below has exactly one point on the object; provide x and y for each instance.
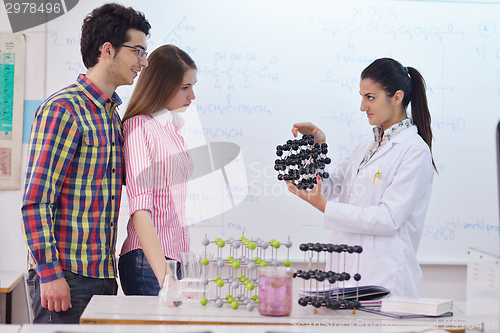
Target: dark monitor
(498, 166)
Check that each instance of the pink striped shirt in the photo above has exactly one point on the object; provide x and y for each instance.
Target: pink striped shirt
(158, 167)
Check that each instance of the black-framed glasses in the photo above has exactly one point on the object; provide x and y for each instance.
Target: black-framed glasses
(140, 51)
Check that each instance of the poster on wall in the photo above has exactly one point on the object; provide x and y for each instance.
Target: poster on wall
(12, 67)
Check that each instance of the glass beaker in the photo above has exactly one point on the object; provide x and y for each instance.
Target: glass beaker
(193, 272)
(170, 293)
(275, 291)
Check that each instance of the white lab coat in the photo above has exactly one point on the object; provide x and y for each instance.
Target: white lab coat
(384, 214)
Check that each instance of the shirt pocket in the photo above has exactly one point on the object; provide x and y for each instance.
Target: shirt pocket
(94, 139)
(378, 188)
(94, 153)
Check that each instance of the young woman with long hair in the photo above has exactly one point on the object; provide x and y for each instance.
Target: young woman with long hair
(158, 167)
(384, 186)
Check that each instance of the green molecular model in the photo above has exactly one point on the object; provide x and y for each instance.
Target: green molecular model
(246, 256)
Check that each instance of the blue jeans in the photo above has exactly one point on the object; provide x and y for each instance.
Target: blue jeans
(137, 276)
(82, 289)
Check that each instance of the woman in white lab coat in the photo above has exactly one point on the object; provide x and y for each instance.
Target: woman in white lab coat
(384, 186)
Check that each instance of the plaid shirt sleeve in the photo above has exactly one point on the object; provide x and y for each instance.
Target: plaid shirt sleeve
(54, 139)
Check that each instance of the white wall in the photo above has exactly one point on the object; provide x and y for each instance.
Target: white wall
(12, 246)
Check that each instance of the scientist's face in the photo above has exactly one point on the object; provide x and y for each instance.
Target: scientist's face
(129, 60)
(185, 94)
(380, 108)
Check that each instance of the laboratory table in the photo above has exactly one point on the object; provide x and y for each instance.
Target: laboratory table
(142, 310)
(8, 281)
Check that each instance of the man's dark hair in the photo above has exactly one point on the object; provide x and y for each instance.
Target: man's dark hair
(109, 23)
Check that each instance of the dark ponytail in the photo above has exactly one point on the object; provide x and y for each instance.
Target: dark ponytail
(392, 76)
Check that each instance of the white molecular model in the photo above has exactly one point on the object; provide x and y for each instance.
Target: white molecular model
(244, 257)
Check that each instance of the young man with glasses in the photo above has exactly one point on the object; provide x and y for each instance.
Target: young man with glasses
(75, 171)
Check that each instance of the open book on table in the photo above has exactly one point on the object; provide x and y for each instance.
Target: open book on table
(362, 293)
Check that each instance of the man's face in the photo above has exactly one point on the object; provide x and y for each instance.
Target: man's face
(126, 64)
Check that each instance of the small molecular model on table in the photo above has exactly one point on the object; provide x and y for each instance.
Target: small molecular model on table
(244, 257)
(301, 161)
(336, 280)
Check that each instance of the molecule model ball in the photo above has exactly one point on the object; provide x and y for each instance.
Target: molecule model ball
(301, 161)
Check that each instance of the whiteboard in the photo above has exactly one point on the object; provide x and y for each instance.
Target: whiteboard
(264, 65)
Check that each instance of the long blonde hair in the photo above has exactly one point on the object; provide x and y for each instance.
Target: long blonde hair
(159, 82)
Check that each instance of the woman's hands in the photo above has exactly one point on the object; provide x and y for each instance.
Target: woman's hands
(315, 196)
(309, 128)
(150, 243)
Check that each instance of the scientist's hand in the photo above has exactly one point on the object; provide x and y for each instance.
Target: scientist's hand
(55, 295)
(315, 196)
(309, 128)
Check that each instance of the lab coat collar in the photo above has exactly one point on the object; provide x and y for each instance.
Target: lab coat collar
(398, 139)
(405, 134)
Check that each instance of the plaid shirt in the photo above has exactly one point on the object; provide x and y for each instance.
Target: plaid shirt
(73, 183)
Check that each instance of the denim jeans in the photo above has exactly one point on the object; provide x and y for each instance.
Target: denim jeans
(82, 289)
(137, 276)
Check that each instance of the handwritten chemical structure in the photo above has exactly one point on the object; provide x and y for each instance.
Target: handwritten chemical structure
(431, 89)
(384, 20)
(239, 71)
(349, 84)
(448, 231)
(449, 123)
(348, 118)
(356, 137)
(438, 233)
(353, 57)
(432, 33)
(174, 36)
(234, 109)
(214, 133)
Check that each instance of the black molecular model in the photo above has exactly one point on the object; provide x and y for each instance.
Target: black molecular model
(301, 161)
(333, 295)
